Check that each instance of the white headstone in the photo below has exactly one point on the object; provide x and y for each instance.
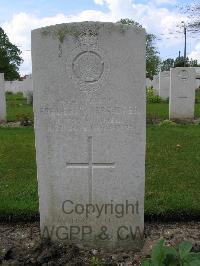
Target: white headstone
(27, 84)
(29, 97)
(182, 93)
(89, 105)
(19, 85)
(164, 84)
(14, 86)
(148, 83)
(197, 83)
(155, 84)
(2, 99)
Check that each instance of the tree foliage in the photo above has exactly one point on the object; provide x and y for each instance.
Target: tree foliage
(10, 58)
(152, 58)
(178, 62)
(167, 64)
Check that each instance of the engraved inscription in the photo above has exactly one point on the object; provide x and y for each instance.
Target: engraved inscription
(88, 66)
(183, 74)
(90, 165)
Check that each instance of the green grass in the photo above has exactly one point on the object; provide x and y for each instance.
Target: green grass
(172, 172)
(161, 110)
(158, 111)
(18, 184)
(17, 107)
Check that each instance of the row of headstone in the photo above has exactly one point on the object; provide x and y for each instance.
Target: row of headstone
(89, 108)
(148, 83)
(161, 82)
(179, 86)
(29, 97)
(2, 99)
(20, 86)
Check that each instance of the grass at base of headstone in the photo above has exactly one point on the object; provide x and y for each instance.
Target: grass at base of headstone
(157, 111)
(173, 171)
(18, 183)
(17, 107)
(161, 110)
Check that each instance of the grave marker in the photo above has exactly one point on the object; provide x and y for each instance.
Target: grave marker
(164, 84)
(89, 107)
(2, 99)
(182, 93)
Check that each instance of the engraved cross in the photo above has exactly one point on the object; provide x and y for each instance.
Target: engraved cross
(90, 165)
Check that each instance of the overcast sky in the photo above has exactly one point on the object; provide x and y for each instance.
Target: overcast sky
(160, 17)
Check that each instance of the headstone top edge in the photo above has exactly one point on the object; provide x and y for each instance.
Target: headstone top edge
(80, 26)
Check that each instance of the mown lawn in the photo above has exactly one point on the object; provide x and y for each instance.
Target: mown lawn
(18, 184)
(172, 172)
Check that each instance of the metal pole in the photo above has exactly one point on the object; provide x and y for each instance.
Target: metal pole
(185, 45)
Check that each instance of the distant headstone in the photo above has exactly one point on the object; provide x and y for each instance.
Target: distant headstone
(29, 97)
(197, 83)
(164, 84)
(182, 93)
(89, 105)
(2, 99)
(155, 84)
(27, 85)
(148, 83)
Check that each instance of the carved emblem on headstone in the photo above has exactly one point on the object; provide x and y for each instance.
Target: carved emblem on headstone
(183, 74)
(88, 66)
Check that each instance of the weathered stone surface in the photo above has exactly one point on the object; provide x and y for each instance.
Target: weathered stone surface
(89, 105)
(182, 93)
(164, 84)
(2, 99)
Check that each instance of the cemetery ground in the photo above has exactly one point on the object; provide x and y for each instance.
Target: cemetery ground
(171, 199)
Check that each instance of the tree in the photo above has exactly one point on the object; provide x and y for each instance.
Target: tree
(10, 58)
(194, 63)
(152, 58)
(167, 64)
(178, 62)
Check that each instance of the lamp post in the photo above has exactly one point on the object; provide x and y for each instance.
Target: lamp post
(185, 46)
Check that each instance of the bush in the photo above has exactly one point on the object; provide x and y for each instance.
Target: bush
(162, 255)
(167, 123)
(9, 93)
(151, 97)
